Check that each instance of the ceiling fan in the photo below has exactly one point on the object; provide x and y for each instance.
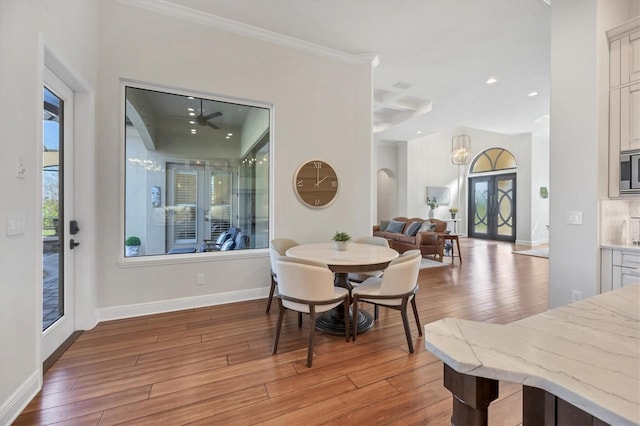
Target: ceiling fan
(203, 120)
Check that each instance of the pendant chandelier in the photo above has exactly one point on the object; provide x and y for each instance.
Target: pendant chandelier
(460, 149)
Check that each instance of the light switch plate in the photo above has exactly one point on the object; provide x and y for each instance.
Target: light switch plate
(15, 225)
(574, 218)
(21, 170)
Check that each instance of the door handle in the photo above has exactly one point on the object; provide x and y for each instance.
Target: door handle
(73, 244)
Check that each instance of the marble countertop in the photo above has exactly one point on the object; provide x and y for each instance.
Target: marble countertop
(587, 353)
(620, 246)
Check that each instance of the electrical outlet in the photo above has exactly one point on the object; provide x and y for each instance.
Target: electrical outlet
(200, 278)
(576, 295)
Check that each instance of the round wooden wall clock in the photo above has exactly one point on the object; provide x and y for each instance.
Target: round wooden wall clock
(316, 184)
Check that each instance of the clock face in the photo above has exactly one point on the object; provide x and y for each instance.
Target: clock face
(316, 184)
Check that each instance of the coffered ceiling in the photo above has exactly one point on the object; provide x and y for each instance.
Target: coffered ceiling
(435, 56)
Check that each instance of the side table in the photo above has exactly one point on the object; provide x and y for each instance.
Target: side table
(455, 244)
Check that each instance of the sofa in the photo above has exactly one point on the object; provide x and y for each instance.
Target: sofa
(414, 233)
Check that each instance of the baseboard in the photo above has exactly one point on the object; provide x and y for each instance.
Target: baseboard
(162, 306)
(532, 243)
(13, 406)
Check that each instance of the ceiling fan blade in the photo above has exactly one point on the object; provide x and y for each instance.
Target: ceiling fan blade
(213, 125)
(212, 115)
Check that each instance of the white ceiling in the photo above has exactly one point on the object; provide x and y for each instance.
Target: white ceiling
(443, 50)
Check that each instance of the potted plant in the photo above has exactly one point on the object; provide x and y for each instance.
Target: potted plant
(432, 202)
(132, 246)
(340, 239)
(453, 211)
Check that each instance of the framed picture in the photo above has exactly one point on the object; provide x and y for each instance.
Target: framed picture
(440, 193)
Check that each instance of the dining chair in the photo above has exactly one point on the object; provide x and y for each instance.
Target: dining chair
(306, 286)
(395, 290)
(358, 277)
(277, 247)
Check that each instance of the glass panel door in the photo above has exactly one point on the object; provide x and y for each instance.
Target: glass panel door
(492, 207)
(52, 211)
(58, 321)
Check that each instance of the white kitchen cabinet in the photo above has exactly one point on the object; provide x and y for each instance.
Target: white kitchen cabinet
(624, 96)
(618, 268)
(624, 53)
(624, 117)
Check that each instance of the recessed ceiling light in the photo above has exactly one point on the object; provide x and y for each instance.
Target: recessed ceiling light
(492, 80)
(192, 114)
(192, 122)
(190, 109)
(419, 131)
(534, 93)
(190, 97)
(193, 131)
(228, 137)
(229, 134)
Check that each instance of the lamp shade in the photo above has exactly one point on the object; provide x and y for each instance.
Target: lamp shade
(460, 149)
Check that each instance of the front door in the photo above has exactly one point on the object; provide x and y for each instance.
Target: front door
(492, 207)
(57, 209)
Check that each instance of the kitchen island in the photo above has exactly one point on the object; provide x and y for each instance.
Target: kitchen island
(579, 363)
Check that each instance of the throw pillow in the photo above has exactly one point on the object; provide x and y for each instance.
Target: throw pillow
(413, 229)
(427, 226)
(395, 226)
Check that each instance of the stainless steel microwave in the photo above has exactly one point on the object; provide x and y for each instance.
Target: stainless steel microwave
(630, 172)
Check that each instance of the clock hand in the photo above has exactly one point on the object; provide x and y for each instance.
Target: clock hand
(320, 181)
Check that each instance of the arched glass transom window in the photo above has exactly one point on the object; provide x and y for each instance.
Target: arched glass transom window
(493, 159)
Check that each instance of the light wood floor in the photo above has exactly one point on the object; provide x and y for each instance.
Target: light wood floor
(213, 366)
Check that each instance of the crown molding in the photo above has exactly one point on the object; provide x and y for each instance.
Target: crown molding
(165, 7)
(620, 30)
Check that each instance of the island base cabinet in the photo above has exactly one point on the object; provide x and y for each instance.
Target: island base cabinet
(540, 408)
(471, 397)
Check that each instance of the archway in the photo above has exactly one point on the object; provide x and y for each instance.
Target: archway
(387, 195)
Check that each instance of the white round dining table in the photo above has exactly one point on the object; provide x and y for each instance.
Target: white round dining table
(356, 258)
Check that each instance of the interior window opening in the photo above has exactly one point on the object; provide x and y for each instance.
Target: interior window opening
(196, 174)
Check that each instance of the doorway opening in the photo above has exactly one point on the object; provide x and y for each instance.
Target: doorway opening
(492, 196)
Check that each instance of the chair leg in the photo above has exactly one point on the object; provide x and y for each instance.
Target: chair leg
(273, 288)
(405, 322)
(355, 317)
(278, 327)
(299, 319)
(312, 329)
(415, 314)
(376, 312)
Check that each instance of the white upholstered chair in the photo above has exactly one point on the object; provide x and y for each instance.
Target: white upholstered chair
(306, 286)
(395, 290)
(358, 277)
(277, 247)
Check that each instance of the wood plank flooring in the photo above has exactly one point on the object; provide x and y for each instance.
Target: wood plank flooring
(213, 366)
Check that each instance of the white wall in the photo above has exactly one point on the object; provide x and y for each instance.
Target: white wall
(307, 92)
(68, 32)
(539, 178)
(578, 134)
